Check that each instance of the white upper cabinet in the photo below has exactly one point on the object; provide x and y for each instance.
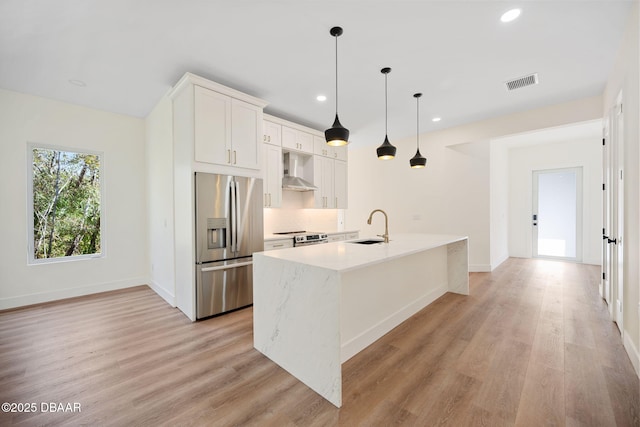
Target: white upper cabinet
(272, 133)
(340, 153)
(321, 148)
(227, 130)
(296, 140)
(246, 130)
(272, 176)
(212, 126)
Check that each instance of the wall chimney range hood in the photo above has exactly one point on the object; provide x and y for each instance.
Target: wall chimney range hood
(291, 181)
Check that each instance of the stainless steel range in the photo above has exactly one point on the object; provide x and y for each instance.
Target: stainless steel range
(305, 238)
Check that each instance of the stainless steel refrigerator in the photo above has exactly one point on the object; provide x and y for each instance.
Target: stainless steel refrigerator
(229, 229)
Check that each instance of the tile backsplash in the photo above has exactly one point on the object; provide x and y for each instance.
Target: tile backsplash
(293, 217)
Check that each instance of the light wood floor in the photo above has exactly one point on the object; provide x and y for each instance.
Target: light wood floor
(531, 346)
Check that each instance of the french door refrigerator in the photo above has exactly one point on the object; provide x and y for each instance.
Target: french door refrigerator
(229, 229)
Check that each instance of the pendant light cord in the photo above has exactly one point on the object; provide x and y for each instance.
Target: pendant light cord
(418, 122)
(386, 132)
(336, 37)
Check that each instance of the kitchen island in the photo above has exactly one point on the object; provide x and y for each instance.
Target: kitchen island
(317, 306)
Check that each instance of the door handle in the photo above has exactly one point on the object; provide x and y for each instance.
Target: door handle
(226, 267)
(614, 241)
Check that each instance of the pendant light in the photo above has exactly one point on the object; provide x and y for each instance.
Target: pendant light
(418, 161)
(386, 150)
(337, 134)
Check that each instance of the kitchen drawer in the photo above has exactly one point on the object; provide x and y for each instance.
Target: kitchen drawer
(278, 244)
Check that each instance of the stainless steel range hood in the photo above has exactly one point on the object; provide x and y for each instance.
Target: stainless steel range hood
(291, 181)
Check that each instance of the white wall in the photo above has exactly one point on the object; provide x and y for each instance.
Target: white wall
(499, 203)
(26, 118)
(524, 160)
(159, 190)
(453, 194)
(437, 199)
(625, 77)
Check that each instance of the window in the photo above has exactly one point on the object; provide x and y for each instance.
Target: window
(65, 204)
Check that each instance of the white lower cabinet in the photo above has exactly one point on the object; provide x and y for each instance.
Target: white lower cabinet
(339, 237)
(270, 245)
(336, 237)
(272, 176)
(352, 235)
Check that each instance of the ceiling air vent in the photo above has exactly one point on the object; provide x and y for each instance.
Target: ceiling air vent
(531, 79)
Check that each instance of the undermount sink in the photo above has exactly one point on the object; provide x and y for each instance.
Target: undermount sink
(367, 241)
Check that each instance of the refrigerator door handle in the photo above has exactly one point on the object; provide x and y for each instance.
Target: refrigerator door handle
(234, 216)
(226, 267)
(238, 216)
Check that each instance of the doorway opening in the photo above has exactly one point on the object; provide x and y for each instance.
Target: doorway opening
(557, 214)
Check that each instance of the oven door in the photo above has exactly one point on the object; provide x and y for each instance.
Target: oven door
(223, 286)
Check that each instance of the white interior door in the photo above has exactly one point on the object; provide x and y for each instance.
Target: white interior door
(618, 223)
(607, 252)
(557, 214)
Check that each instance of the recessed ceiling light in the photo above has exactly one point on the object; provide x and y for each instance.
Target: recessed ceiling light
(510, 15)
(321, 98)
(436, 119)
(76, 82)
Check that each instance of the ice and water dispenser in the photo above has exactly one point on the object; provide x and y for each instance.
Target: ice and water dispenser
(216, 233)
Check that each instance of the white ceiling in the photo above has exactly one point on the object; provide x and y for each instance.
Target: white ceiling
(457, 53)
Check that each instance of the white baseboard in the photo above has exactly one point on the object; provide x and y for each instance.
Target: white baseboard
(24, 300)
(363, 340)
(165, 294)
(632, 351)
(500, 261)
(479, 268)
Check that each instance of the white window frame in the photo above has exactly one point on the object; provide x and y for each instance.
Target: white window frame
(31, 259)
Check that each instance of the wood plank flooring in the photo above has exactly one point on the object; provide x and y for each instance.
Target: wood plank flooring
(531, 345)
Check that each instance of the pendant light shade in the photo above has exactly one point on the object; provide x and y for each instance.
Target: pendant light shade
(337, 135)
(418, 161)
(386, 151)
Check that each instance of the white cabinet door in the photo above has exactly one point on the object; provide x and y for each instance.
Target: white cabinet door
(340, 185)
(246, 128)
(272, 133)
(323, 178)
(340, 153)
(212, 126)
(321, 148)
(297, 140)
(226, 130)
(336, 237)
(270, 245)
(272, 176)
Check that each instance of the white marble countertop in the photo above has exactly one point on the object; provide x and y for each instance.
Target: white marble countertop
(345, 256)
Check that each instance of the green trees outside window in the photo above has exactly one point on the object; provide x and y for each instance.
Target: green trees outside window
(66, 203)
